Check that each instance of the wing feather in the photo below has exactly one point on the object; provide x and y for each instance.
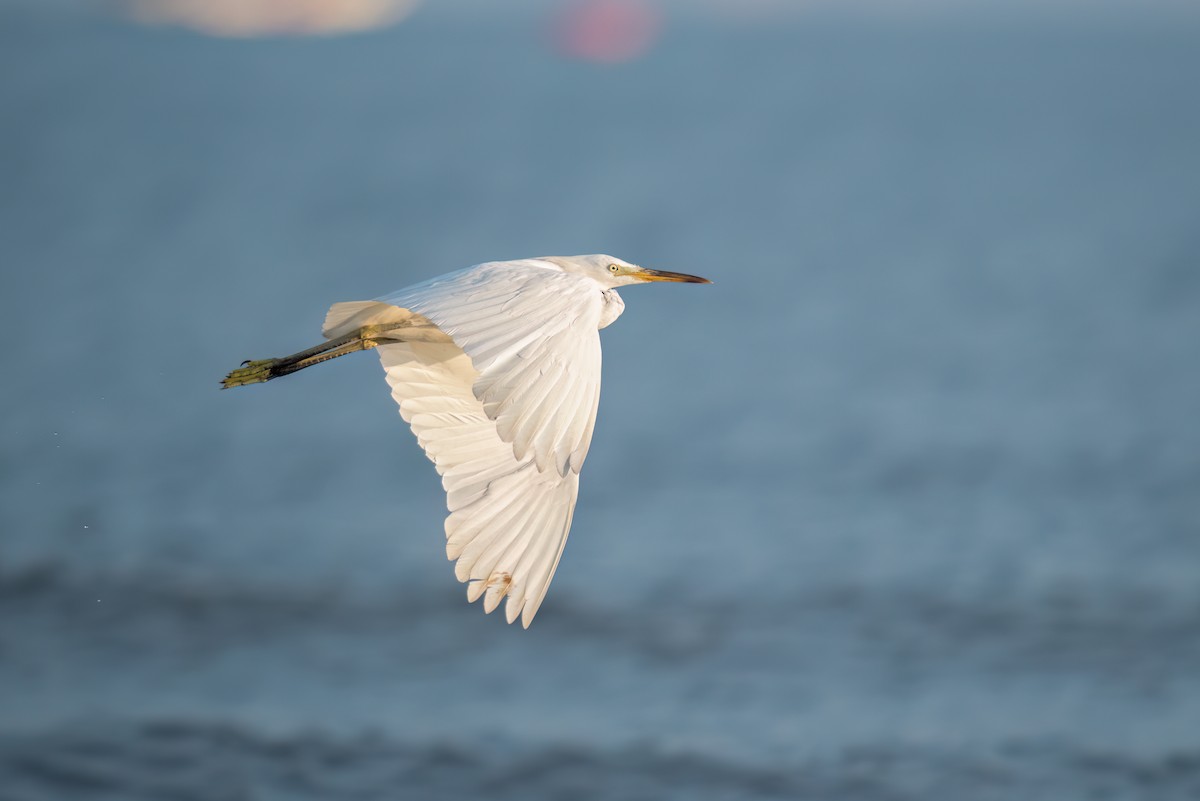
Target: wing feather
(527, 328)
(540, 580)
(509, 514)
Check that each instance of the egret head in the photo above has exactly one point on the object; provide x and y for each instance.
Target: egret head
(609, 271)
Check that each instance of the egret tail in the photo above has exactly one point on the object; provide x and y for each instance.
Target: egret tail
(256, 372)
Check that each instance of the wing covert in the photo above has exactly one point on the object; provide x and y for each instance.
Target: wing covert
(532, 333)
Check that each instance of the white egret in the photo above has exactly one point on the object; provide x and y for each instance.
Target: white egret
(497, 370)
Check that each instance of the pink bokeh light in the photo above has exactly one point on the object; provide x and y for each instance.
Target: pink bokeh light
(606, 31)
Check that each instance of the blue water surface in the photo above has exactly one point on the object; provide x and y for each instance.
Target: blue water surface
(905, 506)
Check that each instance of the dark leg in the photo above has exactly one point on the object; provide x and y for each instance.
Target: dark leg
(255, 372)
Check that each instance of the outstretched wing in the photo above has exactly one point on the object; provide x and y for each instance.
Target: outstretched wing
(508, 520)
(505, 411)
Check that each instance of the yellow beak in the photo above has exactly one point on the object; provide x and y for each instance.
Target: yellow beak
(663, 275)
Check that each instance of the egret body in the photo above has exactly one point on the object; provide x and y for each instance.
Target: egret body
(497, 370)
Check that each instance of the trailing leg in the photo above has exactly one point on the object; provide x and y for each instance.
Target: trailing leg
(256, 372)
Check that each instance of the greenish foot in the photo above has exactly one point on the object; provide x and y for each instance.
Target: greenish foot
(251, 372)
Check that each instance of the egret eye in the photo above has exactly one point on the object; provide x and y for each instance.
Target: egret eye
(614, 269)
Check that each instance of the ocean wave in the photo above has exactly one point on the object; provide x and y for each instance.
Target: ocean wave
(1136, 632)
(182, 759)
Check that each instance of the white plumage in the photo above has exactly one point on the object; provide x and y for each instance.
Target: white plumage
(496, 368)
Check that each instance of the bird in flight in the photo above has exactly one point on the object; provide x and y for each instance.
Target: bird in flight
(496, 368)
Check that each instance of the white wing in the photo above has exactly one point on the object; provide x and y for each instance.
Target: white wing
(505, 412)
(532, 332)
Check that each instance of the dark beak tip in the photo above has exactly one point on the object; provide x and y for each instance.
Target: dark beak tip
(685, 278)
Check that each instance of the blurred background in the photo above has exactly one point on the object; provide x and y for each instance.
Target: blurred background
(905, 506)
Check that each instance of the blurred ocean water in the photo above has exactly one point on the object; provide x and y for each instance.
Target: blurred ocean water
(906, 505)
